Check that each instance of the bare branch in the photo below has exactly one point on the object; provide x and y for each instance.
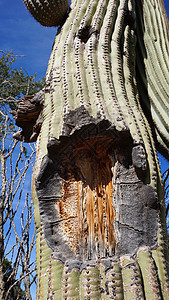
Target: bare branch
(17, 281)
(12, 55)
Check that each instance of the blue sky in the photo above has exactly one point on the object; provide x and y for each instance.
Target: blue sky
(22, 34)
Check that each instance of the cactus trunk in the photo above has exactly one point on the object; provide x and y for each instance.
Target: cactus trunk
(97, 187)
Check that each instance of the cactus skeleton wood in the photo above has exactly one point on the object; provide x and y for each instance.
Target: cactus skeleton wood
(99, 197)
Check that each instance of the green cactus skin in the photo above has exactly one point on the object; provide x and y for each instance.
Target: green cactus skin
(131, 278)
(155, 41)
(48, 12)
(110, 57)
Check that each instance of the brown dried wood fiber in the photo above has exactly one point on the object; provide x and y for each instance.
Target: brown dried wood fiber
(85, 210)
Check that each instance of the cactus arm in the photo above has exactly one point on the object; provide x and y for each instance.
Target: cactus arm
(48, 12)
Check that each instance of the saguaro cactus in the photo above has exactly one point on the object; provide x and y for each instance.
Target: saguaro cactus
(97, 187)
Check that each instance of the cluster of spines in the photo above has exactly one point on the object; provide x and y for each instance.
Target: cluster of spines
(150, 278)
(111, 280)
(129, 277)
(105, 65)
(43, 253)
(91, 59)
(48, 12)
(132, 281)
(70, 283)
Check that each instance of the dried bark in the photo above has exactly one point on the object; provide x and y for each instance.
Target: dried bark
(28, 116)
